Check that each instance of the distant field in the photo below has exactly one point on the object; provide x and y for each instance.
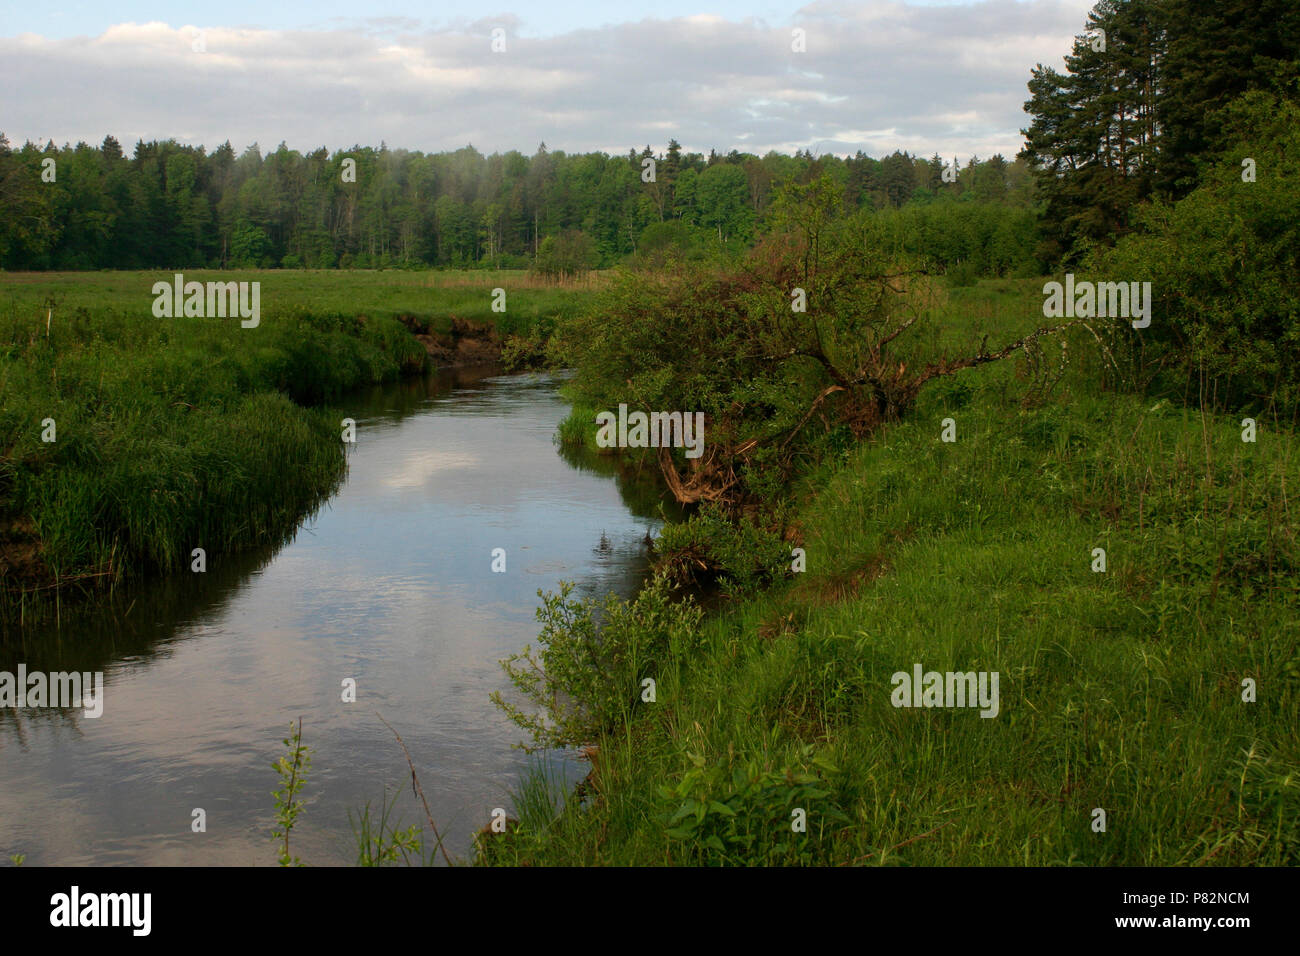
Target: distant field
(433, 297)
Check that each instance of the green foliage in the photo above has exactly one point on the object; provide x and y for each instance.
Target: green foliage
(172, 205)
(576, 428)
(741, 556)
(539, 800)
(1223, 263)
(587, 676)
(778, 385)
(743, 814)
(292, 768)
(1119, 689)
(1216, 53)
(249, 245)
(664, 243)
(539, 797)
(565, 256)
(1092, 141)
(174, 434)
(381, 842)
(962, 275)
(171, 434)
(722, 195)
(1137, 118)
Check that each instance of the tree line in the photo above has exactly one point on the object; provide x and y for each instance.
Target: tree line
(1137, 113)
(174, 205)
(1136, 116)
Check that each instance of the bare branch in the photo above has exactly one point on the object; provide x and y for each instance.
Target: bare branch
(415, 785)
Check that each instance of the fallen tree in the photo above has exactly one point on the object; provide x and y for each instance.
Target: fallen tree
(819, 324)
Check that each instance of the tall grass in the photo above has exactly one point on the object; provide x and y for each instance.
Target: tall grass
(1120, 690)
(431, 299)
(170, 434)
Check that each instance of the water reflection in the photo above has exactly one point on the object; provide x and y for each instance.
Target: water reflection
(390, 583)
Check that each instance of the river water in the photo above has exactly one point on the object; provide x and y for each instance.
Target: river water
(390, 584)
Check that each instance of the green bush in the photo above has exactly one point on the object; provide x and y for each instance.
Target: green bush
(569, 254)
(962, 274)
(586, 677)
(1223, 264)
(746, 814)
(741, 556)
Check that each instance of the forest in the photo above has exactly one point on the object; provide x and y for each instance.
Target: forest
(175, 206)
(1133, 117)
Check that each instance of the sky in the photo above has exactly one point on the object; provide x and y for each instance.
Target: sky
(874, 75)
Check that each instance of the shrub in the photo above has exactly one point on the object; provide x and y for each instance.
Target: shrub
(566, 255)
(740, 555)
(586, 677)
(1223, 263)
(821, 326)
(743, 814)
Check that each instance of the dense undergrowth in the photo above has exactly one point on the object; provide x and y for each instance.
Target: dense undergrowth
(183, 433)
(1100, 516)
(1120, 690)
(168, 435)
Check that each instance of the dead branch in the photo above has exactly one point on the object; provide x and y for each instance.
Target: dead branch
(415, 785)
(807, 415)
(707, 482)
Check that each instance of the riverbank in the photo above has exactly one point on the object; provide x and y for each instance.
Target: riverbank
(390, 584)
(1128, 568)
(130, 441)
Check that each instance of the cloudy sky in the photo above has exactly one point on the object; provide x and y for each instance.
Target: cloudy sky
(876, 75)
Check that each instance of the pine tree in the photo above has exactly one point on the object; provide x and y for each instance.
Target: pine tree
(1219, 49)
(1092, 140)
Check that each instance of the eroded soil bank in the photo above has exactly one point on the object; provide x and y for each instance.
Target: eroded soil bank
(465, 344)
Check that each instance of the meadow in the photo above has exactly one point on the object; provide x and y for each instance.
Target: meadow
(1161, 685)
(129, 440)
(1163, 690)
(425, 295)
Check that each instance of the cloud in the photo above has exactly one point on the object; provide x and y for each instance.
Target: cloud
(876, 76)
(419, 468)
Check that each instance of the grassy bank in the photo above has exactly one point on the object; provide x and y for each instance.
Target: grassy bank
(183, 433)
(1120, 690)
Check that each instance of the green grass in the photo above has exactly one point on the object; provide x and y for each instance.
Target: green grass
(1119, 690)
(575, 429)
(430, 298)
(174, 434)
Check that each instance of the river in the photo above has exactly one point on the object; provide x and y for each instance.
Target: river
(390, 584)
